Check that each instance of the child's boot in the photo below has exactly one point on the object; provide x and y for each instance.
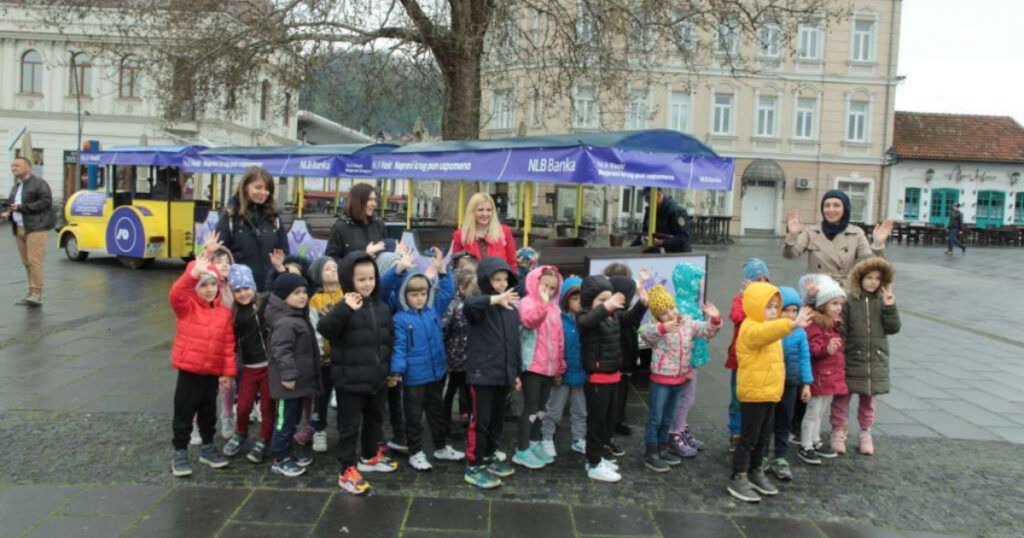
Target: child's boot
(677, 443)
(691, 440)
(740, 488)
(839, 441)
(867, 444)
(653, 462)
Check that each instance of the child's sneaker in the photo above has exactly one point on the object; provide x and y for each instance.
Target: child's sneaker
(257, 453)
(304, 436)
(320, 441)
(668, 457)
(691, 440)
(227, 425)
(334, 400)
(734, 441)
(867, 443)
(839, 442)
(780, 468)
(288, 467)
(380, 463)
(741, 488)
(615, 450)
(809, 456)
(500, 455)
(195, 438)
(527, 458)
(603, 473)
(549, 448)
(541, 453)
(420, 462)
(501, 469)
(611, 464)
(181, 466)
(761, 484)
(677, 444)
(481, 478)
(303, 460)
(234, 445)
(824, 452)
(398, 445)
(448, 454)
(653, 462)
(209, 456)
(579, 446)
(352, 482)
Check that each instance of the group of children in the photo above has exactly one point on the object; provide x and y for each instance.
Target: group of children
(365, 334)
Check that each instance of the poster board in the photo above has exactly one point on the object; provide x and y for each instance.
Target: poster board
(660, 266)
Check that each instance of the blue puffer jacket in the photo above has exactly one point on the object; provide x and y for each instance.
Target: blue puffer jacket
(574, 375)
(419, 355)
(795, 347)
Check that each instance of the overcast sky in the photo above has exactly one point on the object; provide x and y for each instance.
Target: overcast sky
(962, 57)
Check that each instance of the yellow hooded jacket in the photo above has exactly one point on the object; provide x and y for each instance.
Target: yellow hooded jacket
(761, 376)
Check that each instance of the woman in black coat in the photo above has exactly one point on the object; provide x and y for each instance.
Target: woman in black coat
(250, 227)
(358, 228)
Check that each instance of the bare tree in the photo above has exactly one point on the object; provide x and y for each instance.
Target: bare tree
(199, 51)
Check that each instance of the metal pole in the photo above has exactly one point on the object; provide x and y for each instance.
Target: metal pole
(519, 206)
(528, 215)
(652, 214)
(410, 199)
(302, 195)
(462, 202)
(213, 190)
(337, 194)
(579, 209)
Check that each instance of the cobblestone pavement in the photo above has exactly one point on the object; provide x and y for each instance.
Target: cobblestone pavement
(85, 398)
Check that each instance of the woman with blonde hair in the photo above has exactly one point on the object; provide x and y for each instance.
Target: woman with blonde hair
(481, 234)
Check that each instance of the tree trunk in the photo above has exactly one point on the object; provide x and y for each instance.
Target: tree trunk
(461, 117)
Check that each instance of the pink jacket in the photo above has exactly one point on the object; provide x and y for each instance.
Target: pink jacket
(829, 370)
(543, 341)
(671, 351)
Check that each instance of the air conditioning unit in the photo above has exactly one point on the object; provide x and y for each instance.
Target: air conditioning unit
(803, 183)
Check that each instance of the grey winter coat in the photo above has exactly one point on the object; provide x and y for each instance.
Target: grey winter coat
(294, 352)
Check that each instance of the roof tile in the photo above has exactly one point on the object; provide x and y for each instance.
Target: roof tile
(919, 135)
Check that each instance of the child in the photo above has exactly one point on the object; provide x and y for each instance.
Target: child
(281, 264)
(463, 259)
(827, 362)
(526, 260)
(254, 348)
(454, 326)
(492, 362)
(760, 381)
(222, 261)
(621, 277)
(204, 355)
(294, 372)
(671, 340)
(754, 270)
(418, 360)
(689, 284)
(323, 275)
(797, 356)
(571, 387)
(543, 360)
(600, 323)
(361, 335)
(869, 317)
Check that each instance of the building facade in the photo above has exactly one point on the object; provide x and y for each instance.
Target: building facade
(50, 88)
(945, 159)
(820, 111)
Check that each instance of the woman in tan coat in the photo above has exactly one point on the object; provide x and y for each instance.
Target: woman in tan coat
(833, 247)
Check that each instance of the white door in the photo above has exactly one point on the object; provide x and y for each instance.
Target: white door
(759, 206)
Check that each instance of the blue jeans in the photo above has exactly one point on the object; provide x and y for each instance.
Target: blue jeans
(734, 406)
(954, 239)
(664, 400)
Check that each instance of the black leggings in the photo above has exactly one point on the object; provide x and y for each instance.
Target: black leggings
(536, 389)
(456, 385)
(600, 408)
(416, 400)
(194, 396)
(757, 420)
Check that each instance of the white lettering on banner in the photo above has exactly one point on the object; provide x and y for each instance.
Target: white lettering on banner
(551, 165)
(709, 179)
(634, 176)
(314, 165)
(434, 167)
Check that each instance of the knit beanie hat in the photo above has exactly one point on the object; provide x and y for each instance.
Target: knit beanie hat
(315, 275)
(286, 284)
(301, 261)
(527, 254)
(659, 300)
(385, 261)
(755, 268)
(828, 289)
(240, 276)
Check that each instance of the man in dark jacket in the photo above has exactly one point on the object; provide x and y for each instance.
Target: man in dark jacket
(671, 227)
(30, 208)
(956, 222)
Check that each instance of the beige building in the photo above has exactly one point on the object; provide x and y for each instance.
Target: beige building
(813, 116)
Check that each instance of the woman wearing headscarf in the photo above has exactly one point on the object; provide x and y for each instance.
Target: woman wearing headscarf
(833, 247)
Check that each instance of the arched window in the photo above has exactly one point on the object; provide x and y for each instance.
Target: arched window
(31, 72)
(80, 75)
(129, 78)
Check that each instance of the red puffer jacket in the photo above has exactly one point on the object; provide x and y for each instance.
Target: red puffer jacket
(829, 370)
(204, 339)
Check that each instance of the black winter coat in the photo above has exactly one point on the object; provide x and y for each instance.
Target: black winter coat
(252, 240)
(349, 235)
(253, 340)
(36, 205)
(601, 333)
(361, 340)
(294, 352)
(628, 332)
(493, 350)
(672, 224)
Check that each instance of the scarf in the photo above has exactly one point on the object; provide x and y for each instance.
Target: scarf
(831, 230)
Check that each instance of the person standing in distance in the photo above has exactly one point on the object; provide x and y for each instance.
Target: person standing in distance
(671, 227)
(31, 212)
(956, 223)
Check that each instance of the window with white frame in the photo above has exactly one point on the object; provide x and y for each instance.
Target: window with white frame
(128, 84)
(863, 49)
(584, 107)
(858, 194)
(80, 75)
(636, 118)
(679, 111)
(805, 110)
(503, 114)
(31, 72)
(721, 123)
(767, 112)
(809, 41)
(857, 121)
(728, 41)
(771, 40)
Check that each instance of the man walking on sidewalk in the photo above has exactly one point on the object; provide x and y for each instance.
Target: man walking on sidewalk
(31, 212)
(956, 222)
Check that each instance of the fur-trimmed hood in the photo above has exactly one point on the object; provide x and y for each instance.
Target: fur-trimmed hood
(875, 263)
(825, 322)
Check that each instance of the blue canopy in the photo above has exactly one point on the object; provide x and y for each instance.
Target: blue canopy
(314, 160)
(140, 155)
(656, 158)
